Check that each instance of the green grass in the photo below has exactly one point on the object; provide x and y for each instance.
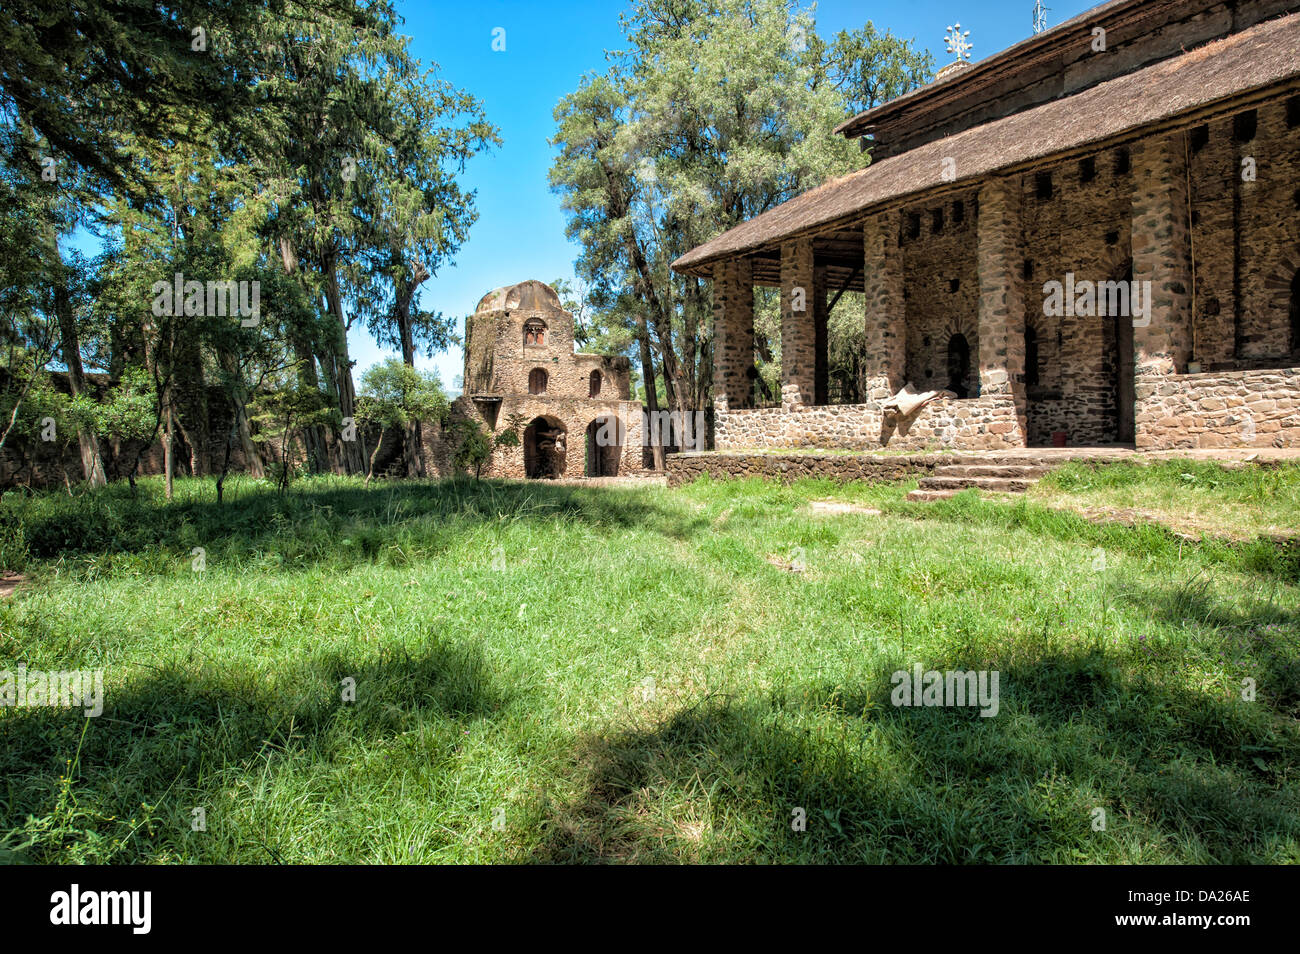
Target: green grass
(1196, 496)
(555, 673)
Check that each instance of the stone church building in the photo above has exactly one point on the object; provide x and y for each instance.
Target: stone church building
(1090, 238)
(572, 411)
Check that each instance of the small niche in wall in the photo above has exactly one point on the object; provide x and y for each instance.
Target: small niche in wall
(1112, 238)
(1087, 169)
(1043, 186)
(1027, 269)
(1244, 126)
(958, 213)
(1293, 112)
(954, 284)
(1123, 162)
(1200, 137)
(936, 222)
(913, 225)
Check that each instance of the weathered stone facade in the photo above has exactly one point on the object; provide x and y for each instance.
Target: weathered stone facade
(1202, 210)
(573, 410)
(1220, 409)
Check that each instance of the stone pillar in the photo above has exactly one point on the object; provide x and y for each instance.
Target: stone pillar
(798, 335)
(821, 339)
(733, 334)
(885, 329)
(1002, 304)
(1162, 255)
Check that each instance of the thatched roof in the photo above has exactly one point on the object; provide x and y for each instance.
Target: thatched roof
(1225, 73)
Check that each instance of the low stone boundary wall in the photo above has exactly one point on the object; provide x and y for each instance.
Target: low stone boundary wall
(686, 467)
(1219, 409)
(983, 423)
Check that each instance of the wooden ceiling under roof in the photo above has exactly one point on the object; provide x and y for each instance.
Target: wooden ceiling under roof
(840, 251)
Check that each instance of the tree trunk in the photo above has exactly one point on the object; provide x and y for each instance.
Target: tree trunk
(353, 460)
(167, 446)
(92, 464)
(313, 436)
(413, 439)
(651, 423)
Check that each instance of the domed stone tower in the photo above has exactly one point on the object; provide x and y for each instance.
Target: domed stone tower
(572, 410)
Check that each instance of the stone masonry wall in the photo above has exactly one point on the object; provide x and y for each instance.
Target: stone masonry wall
(1224, 409)
(986, 423)
(940, 289)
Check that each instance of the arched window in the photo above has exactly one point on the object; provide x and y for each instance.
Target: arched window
(1032, 376)
(594, 390)
(537, 381)
(1295, 314)
(958, 365)
(534, 332)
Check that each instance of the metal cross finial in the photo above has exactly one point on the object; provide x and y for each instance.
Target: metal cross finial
(1040, 16)
(957, 42)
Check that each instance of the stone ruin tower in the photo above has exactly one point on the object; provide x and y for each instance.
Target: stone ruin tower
(572, 411)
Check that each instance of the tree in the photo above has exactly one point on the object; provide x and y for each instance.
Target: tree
(717, 111)
(394, 394)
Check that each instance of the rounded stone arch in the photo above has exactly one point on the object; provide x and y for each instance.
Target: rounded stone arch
(594, 382)
(534, 332)
(545, 448)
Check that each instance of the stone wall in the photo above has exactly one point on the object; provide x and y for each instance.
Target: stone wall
(573, 414)
(941, 290)
(684, 468)
(498, 361)
(1219, 409)
(985, 423)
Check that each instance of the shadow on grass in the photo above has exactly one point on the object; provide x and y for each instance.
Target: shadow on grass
(178, 738)
(1261, 641)
(307, 523)
(1181, 776)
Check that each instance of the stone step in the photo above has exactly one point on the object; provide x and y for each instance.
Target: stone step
(1010, 485)
(990, 470)
(963, 460)
(924, 495)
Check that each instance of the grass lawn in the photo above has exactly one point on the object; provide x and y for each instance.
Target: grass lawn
(556, 673)
(1188, 495)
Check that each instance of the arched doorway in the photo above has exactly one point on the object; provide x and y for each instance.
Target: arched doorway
(537, 381)
(544, 448)
(959, 365)
(605, 439)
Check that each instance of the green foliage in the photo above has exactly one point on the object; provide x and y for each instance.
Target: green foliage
(283, 413)
(473, 447)
(394, 394)
(716, 111)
